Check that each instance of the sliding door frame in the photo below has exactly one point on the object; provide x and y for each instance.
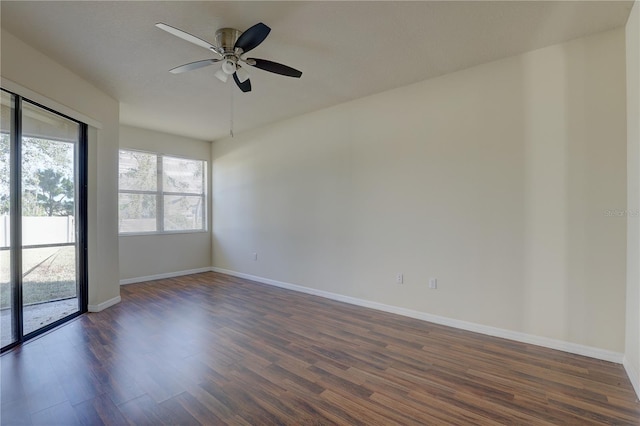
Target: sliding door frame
(15, 223)
(15, 219)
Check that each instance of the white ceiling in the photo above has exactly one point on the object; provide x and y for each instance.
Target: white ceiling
(346, 50)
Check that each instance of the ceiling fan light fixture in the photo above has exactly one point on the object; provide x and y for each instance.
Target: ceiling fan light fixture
(222, 76)
(242, 74)
(228, 66)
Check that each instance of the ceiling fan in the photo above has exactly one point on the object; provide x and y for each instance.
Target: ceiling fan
(231, 45)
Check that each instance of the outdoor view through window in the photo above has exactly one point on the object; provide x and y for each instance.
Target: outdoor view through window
(158, 193)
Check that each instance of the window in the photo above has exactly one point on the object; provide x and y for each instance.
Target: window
(158, 193)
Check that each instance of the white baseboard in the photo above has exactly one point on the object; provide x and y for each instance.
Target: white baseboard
(633, 374)
(163, 276)
(546, 342)
(104, 305)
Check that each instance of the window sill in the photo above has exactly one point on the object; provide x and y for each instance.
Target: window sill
(139, 234)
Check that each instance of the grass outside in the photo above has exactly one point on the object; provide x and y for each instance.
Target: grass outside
(49, 274)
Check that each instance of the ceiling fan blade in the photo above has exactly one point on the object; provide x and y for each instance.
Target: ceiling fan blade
(186, 36)
(245, 87)
(193, 66)
(274, 67)
(251, 38)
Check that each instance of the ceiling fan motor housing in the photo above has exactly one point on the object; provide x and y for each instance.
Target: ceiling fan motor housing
(225, 40)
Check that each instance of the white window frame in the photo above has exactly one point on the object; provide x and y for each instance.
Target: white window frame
(159, 193)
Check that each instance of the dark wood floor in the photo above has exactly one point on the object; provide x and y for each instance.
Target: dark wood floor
(211, 349)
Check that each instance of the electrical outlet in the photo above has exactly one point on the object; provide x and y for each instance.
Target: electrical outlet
(433, 283)
(399, 278)
(255, 256)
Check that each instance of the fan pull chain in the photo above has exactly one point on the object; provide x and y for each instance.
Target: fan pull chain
(231, 112)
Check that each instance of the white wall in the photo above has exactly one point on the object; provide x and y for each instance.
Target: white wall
(151, 255)
(632, 346)
(495, 180)
(36, 72)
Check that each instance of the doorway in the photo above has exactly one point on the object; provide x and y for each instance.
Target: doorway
(43, 276)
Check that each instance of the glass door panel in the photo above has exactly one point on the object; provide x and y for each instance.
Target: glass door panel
(8, 333)
(49, 148)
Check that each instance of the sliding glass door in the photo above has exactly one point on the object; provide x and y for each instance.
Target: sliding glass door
(8, 290)
(43, 242)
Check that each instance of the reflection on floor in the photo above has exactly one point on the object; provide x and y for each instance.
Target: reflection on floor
(36, 316)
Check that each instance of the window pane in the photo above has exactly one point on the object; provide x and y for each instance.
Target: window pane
(183, 213)
(137, 212)
(49, 275)
(8, 332)
(181, 175)
(138, 171)
(48, 189)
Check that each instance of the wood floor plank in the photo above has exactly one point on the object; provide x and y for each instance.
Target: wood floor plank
(196, 409)
(15, 412)
(212, 349)
(145, 411)
(59, 415)
(99, 411)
